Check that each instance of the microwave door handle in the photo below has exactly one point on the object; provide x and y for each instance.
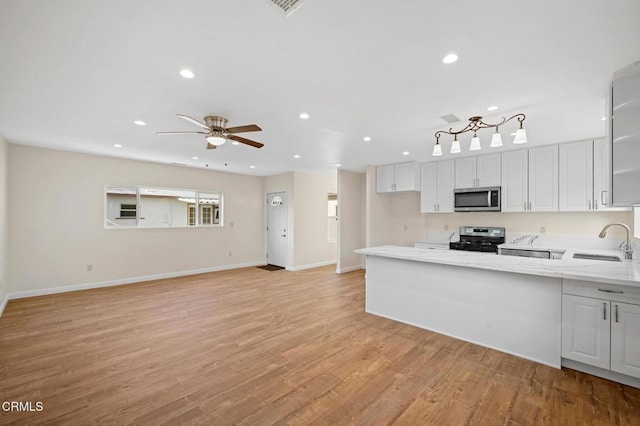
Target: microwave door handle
(489, 198)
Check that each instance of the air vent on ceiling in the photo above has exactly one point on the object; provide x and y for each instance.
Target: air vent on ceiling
(450, 118)
(287, 6)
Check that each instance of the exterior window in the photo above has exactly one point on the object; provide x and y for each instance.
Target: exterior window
(192, 215)
(206, 212)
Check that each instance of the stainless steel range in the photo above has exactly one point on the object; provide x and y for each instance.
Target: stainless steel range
(479, 238)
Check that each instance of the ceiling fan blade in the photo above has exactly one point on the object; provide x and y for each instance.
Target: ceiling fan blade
(211, 146)
(245, 141)
(243, 129)
(181, 133)
(193, 121)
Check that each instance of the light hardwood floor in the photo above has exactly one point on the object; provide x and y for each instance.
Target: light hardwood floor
(256, 347)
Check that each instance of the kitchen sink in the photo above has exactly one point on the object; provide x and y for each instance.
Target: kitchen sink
(596, 257)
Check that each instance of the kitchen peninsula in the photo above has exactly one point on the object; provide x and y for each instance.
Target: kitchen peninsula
(511, 304)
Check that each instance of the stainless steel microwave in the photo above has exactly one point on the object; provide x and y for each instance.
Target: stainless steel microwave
(477, 199)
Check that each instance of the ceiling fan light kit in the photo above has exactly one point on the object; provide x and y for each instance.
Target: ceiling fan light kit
(217, 131)
(475, 124)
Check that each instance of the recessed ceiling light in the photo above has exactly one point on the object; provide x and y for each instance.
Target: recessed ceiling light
(492, 108)
(304, 116)
(187, 73)
(296, 156)
(339, 165)
(252, 167)
(603, 118)
(194, 158)
(117, 145)
(367, 139)
(450, 58)
(235, 143)
(406, 153)
(139, 123)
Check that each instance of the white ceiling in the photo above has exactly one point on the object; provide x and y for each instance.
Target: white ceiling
(74, 74)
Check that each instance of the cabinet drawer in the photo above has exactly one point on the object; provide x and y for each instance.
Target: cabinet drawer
(613, 292)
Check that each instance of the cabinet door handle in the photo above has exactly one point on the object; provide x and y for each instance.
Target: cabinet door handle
(589, 204)
(611, 291)
(525, 205)
(602, 198)
(604, 316)
(529, 205)
(616, 313)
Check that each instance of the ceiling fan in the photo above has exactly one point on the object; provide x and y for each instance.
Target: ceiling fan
(217, 131)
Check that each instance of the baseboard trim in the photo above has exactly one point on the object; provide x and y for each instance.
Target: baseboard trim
(100, 284)
(310, 266)
(349, 269)
(3, 304)
(601, 372)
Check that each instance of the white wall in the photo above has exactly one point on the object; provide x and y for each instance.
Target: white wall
(311, 245)
(378, 212)
(56, 211)
(351, 226)
(4, 187)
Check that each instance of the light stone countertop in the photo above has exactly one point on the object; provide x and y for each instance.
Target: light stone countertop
(621, 273)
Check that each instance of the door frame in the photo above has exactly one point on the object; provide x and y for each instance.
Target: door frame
(266, 224)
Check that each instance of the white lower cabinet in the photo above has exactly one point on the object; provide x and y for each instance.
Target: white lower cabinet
(625, 339)
(586, 330)
(602, 333)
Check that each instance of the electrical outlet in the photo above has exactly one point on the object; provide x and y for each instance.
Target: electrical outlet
(231, 224)
(543, 230)
(446, 227)
(230, 253)
(89, 268)
(405, 227)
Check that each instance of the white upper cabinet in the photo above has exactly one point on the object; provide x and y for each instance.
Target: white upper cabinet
(576, 176)
(515, 180)
(624, 128)
(436, 195)
(398, 177)
(601, 173)
(543, 179)
(385, 178)
(530, 180)
(480, 171)
(465, 172)
(407, 177)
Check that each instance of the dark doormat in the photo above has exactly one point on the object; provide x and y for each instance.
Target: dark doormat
(271, 267)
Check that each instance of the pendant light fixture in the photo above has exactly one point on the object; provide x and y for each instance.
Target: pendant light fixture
(475, 124)
(496, 139)
(455, 145)
(437, 150)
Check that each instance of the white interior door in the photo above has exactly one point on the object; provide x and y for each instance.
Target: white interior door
(277, 228)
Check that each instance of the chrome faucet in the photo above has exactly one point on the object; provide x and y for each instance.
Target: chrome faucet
(627, 249)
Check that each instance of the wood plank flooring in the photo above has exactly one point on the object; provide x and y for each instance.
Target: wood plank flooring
(256, 347)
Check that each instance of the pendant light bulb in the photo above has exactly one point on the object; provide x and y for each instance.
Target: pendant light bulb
(496, 139)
